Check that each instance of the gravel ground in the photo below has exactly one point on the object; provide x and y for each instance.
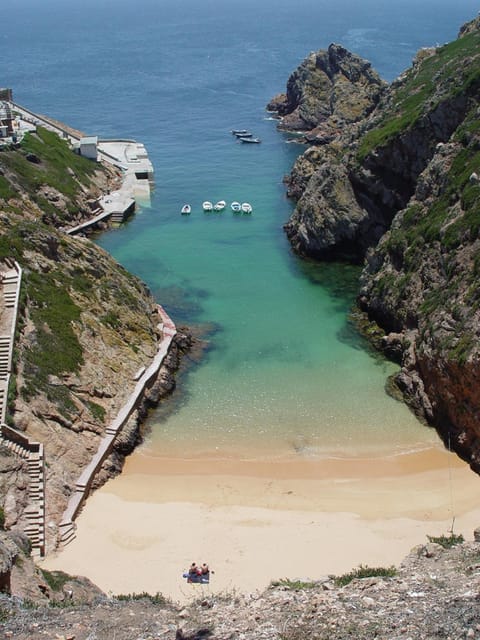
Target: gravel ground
(434, 594)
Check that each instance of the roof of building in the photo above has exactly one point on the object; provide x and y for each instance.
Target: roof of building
(89, 140)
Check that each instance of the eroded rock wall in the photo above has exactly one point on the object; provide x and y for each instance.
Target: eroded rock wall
(398, 187)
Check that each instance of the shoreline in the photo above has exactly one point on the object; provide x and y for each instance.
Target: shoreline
(142, 530)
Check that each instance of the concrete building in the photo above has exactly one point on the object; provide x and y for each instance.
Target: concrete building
(89, 147)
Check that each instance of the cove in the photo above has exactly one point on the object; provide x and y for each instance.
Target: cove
(284, 372)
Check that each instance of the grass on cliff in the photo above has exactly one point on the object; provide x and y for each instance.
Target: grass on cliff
(447, 542)
(448, 225)
(56, 349)
(454, 67)
(364, 571)
(56, 166)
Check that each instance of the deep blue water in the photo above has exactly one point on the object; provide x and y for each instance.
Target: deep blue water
(283, 368)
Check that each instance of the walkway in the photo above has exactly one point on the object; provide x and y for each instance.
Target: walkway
(33, 452)
(146, 379)
(15, 441)
(132, 158)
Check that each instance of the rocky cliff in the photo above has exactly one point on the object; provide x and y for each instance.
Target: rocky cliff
(398, 186)
(86, 326)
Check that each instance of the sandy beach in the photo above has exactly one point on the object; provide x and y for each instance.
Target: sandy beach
(256, 521)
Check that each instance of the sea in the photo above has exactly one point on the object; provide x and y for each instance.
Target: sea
(282, 371)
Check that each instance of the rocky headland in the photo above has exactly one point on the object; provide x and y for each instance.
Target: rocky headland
(391, 179)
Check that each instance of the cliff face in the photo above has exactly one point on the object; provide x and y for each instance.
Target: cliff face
(329, 89)
(401, 188)
(86, 328)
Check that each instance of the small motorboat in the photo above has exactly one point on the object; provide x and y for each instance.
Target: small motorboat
(220, 205)
(207, 206)
(246, 207)
(239, 132)
(186, 209)
(236, 207)
(249, 139)
(244, 134)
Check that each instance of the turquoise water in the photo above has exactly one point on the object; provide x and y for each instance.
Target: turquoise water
(283, 372)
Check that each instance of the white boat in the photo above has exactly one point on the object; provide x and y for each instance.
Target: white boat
(236, 207)
(239, 132)
(186, 209)
(248, 139)
(220, 205)
(247, 207)
(207, 206)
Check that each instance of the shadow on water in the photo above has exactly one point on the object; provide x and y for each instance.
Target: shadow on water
(182, 302)
(341, 282)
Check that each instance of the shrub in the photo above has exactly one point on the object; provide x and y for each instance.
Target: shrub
(156, 598)
(364, 571)
(447, 542)
(55, 579)
(294, 585)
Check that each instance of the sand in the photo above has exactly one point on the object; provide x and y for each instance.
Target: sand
(256, 521)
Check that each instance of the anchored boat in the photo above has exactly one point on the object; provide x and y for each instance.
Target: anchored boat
(248, 139)
(207, 206)
(220, 205)
(186, 209)
(246, 207)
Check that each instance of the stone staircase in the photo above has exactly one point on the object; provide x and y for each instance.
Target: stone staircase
(4, 356)
(15, 441)
(32, 452)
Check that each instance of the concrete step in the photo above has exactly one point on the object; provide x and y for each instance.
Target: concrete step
(68, 536)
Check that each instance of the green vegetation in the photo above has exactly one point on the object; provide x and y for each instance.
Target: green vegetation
(364, 571)
(2, 519)
(56, 580)
(6, 191)
(156, 598)
(57, 349)
(453, 66)
(294, 585)
(97, 411)
(45, 159)
(111, 319)
(447, 542)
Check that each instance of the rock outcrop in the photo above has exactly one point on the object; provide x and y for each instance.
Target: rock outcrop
(399, 185)
(329, 89)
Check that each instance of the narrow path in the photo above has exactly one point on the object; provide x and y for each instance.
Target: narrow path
(82, 486)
